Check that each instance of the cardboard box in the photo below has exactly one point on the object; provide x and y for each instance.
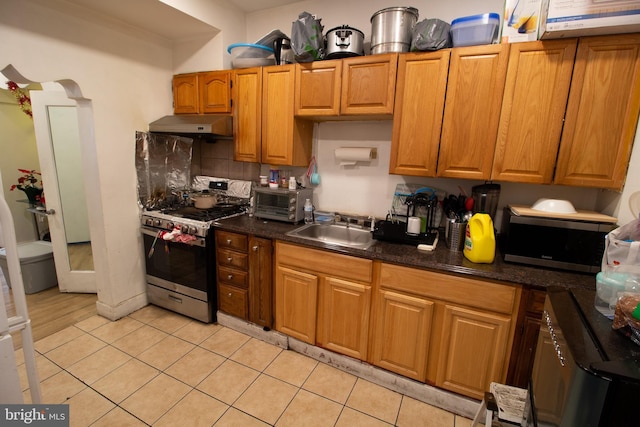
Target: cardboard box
(575, 18)
(521, 20)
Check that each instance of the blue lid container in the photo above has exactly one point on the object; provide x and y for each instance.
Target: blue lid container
(475, 29)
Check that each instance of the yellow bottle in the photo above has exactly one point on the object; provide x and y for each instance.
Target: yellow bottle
(480, 240)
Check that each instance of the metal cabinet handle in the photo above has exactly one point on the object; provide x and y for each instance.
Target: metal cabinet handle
(230, 276)
(255, 248)
(229, 259)
(228, 241)
(229, 295)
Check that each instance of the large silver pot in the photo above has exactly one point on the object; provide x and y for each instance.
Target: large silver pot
(391, 29)
(344, 41)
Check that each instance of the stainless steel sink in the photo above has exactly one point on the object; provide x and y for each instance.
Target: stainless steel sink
(334, 234)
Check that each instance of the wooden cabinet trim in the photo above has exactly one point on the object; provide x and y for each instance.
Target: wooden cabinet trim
(325, 262)
(501, 298)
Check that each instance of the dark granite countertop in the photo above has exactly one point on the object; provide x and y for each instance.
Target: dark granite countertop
(441, 259)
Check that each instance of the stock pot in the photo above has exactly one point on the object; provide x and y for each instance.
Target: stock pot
(204, 200)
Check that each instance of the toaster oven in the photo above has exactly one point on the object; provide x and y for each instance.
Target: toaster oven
(280, 204)
(565, 244)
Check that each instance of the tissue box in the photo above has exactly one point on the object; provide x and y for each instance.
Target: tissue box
(575, 18)
(521, 20)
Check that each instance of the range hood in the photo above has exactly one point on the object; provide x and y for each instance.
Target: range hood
(194, 124)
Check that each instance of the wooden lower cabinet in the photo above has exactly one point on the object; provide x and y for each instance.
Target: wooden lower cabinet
(325, 301)
(473, 350)
(402, 330)
(450, 331)
(296, 302)
(244, 267)
(343, 316)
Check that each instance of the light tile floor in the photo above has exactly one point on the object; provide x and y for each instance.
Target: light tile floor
(155, 367)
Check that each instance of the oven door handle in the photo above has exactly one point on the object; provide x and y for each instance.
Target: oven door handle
(154, 232)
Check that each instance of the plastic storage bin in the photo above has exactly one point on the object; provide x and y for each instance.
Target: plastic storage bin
(475, 29)
(246, 55)
(36, 263)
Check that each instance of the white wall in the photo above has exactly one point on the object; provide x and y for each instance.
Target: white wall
(368, 189)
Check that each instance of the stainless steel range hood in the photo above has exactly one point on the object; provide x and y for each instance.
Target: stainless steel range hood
(194, 124)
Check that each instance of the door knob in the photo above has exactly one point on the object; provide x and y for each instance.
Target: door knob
(50, 211)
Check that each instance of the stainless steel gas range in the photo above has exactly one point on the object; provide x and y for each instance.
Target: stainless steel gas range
(180, 254)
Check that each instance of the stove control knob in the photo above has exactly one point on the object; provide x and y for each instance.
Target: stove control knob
(184, 229)
(192, 230)
(148, 221)
(292, 200)
(170, 225)
(157, 223)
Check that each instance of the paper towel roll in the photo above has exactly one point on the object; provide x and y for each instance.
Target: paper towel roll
(349, 156)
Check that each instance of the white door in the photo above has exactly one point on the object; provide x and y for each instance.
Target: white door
(55, 119)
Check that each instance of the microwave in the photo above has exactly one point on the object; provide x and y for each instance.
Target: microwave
(565, 244)
(280, 204)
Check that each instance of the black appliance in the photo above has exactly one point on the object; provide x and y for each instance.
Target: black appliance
(585, 373)
(553, 242)
(180, 269)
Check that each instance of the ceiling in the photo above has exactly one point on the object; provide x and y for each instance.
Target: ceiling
(159, 18)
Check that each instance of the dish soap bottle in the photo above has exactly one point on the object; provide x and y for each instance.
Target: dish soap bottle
(480, 240)
(308, 212)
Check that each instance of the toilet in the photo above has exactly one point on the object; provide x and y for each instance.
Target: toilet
(36, 263)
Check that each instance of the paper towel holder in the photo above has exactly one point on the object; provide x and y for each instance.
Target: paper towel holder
(349, 156)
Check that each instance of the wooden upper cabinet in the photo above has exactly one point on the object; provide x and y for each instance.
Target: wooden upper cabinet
(357, 86)
(533, 105)
(602, 113)
(472, 111)
(215, 91)
(247, 114)
(318, 85)
(368, 84)
(419, 107)
(185, 94)
(285, 140)
(198, 93)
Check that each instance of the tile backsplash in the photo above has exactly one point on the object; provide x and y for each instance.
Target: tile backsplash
(216, 159)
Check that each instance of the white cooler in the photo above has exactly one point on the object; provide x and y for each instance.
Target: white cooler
(36, 263)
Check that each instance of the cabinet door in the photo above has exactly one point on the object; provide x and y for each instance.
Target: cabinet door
(185, 94)
(318, 85)
(535, 98)
(247, 114)
(343, 317)
(368, 84)
(472, 111)
(215, 91)
(472, 351)
(401, 333)
(296, 304)
(602, 113)
(260, 283)
(285, 140)
(419, 107)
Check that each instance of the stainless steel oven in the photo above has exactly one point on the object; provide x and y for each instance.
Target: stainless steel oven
(180, 273)
(584, 373)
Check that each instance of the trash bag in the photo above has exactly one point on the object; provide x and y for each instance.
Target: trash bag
(431, 34)
(306, 38)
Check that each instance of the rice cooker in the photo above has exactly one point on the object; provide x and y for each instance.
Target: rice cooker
(344, 41)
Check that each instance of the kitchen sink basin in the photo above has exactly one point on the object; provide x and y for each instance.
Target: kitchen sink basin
(334, 234)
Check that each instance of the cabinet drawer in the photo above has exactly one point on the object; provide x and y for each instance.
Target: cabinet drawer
(233, 276)
(224, 239)
(460, 290)
(233, 300)
(232, 258)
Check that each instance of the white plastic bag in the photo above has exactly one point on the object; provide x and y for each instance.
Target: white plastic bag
(622, 249)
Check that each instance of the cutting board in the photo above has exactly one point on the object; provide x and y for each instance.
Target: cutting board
(578, 216)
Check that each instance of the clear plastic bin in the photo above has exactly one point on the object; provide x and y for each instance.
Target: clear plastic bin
(246, 55)
(475, 29)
